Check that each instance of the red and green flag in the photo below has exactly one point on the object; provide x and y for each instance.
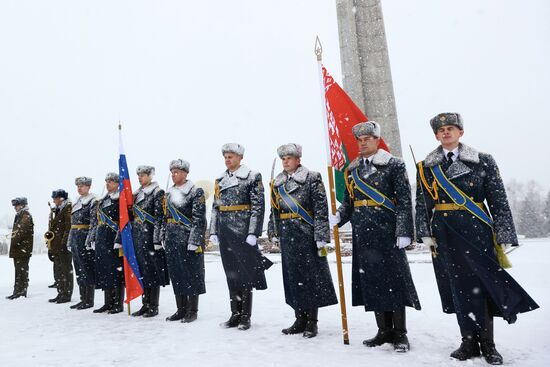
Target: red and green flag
(342, 115)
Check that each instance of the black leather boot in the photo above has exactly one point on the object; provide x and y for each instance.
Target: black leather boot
(118, 304)
(192, 309)
(487, 343)
(385, 330)
(299, 325)
(153, 309)
(54, 300)
(468, 348)
(108, 294)
(311, 330)
(18, 293)
(181, 303)
(235, 303)
(82, 291)
(400, 340)
(89, 296)
(145, 303)
(246, 310)
(54, 285)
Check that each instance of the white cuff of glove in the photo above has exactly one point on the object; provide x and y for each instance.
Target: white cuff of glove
(157, 247)
(117, 246)
(334, 220)
(321, 244)
(429, 241)
(192, 247)
(403, 242)
(251, 240)
(214, 239)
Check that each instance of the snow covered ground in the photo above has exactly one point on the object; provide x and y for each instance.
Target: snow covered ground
(34, 332)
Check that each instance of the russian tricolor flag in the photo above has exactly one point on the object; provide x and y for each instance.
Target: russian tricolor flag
(132, 276)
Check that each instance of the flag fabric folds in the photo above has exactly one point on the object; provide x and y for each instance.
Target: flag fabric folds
(132, 276)
(342, 115)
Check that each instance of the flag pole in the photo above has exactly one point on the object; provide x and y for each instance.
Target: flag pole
(319, 54)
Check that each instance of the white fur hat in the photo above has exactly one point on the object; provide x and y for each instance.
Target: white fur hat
(112, 176)
(179, 164)
(148, 170)
(83, 180)
(367, 128)
(290, 149)
(233, 148)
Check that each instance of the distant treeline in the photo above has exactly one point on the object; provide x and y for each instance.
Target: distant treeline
(530, 205)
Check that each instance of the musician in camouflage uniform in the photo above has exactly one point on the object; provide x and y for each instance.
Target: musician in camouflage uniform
(182, 234)
(299, 222)
(147, 218)
(237, 220)
(60, 224)
(21, 246)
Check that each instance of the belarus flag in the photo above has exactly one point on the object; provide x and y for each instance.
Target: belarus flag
(342, 115)
(132, 276)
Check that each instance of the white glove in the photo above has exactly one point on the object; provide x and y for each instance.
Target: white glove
(214, 239)
(334, 220)
(92, 245)
(157, 246)
(251, 240)
(505, 246)
(403, 242)
(321, 244)
(192, 247)
(117, 246)
(429, 241)
(275, 241)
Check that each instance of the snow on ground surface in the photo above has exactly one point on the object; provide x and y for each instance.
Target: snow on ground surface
(34, 332)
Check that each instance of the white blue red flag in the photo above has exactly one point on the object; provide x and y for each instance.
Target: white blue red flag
(132, 276)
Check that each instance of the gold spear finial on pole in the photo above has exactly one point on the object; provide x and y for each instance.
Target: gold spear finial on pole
(318, 49)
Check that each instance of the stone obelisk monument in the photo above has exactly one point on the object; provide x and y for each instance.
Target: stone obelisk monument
(366, 65)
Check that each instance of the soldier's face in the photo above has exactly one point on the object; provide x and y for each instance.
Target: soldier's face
(368, 145)
(111, 186)
(232, 161)
(178, 176)
(290, 163)
(144, 179)
(57, 201)
(18, 207)
(449, 136)
(82, 189)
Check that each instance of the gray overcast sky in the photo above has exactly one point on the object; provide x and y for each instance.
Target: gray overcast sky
(187, 76)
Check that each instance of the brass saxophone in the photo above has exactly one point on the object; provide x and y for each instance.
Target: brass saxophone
(50, 235)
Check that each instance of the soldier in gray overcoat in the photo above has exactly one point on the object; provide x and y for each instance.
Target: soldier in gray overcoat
(147, 218)
(378, 204)
(21, 246)
(463, 214)
(82, 214)
(105, 239)
(237, 220)
(299, 222)
(183, 236)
